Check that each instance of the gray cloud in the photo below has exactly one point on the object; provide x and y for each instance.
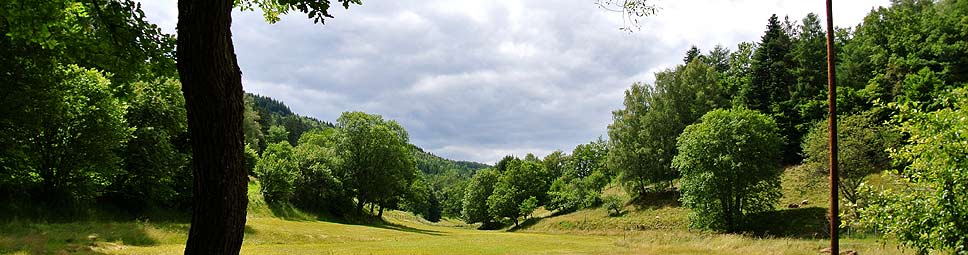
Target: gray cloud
(477, 80)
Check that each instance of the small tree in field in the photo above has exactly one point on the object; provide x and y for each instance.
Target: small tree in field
(862, 150)
(730, 165)
(528, 206)
(613, 204)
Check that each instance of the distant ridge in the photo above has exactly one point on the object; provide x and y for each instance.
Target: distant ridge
(274, 112)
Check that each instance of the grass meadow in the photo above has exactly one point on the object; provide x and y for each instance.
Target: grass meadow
(658, 227)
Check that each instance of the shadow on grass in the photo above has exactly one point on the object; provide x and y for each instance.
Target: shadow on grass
(82, 237)
(398, 227)
(526, 223)
(360, 219)
(494, 225)
(86, 229)
(810, 223)
(656, 200)
(291, 213)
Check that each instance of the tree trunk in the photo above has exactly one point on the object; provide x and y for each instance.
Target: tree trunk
(212, 84)
(381, 213)
(642, 190)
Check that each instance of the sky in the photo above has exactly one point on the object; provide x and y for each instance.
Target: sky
(480, 79)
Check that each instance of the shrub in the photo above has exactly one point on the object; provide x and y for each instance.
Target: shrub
(613, 204)
(930, 208)
(528, 206)
(569, 192)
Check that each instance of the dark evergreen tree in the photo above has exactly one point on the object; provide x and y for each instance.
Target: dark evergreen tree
(718, 58)
(809, 58)
(771, 66)
(769, 88)
(809, 95)
(691, 54)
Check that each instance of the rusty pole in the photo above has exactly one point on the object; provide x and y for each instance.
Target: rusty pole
(832, 118)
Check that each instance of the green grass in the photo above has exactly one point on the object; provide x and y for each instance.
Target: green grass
(645, 228)
(405, 236)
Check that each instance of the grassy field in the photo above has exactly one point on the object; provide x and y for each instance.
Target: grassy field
(643, 229)
(405, 235)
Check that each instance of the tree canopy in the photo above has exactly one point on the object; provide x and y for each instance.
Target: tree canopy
(730, 166)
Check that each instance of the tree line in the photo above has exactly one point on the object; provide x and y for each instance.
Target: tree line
(723, 125)
(515, 187)
(93, 114)
(721, 128)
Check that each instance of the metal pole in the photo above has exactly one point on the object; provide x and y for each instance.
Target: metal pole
(832, 115)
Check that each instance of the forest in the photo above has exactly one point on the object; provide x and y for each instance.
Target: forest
(95, 130)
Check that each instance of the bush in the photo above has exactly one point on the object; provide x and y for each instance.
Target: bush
(251, 158)
(156, 167)
(528, 206)
(930, 208)
(613, 204)
(569, 192)
(730, 165)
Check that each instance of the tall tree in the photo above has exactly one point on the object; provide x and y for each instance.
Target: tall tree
(771, 82)
(638, 138)
(691, 54)
(156, 158)
(251, 128)
(555, 163)
(212, 84)
(319, 175)
(74, 153)
(730, 167)
(809, 59)
(378, 157)
(479, 188)
(277, 172)
(771, 78)
(514, 186)
(38, 41)
(737, 77)
(590, 157)
(643, 134)
(718, 58)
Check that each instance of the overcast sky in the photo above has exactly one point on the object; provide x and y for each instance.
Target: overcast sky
(478, 80)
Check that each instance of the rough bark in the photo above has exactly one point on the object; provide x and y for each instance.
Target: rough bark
(212, 85)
